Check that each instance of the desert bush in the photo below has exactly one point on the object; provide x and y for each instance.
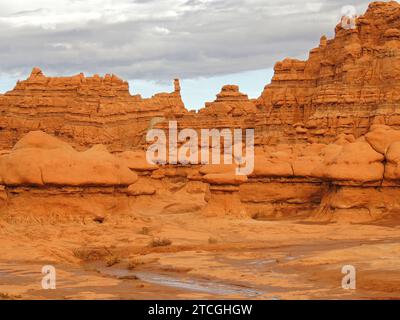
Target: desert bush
(160, 242)
(7, 296)
(90, 254)
(112, 260)
(145, 231)
(134, 263)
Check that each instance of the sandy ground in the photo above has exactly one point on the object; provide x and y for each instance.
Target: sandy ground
(208, 258)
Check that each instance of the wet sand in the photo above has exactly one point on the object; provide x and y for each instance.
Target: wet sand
(208, 258)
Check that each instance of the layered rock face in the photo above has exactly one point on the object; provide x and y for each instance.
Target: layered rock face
(347, 84)
(230, 102)
(327, 138)
(82, 110)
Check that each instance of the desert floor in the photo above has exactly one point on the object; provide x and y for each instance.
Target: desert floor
(208, 258)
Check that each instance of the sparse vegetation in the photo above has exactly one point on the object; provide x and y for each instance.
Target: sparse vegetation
(7, 296)
(145, 231)
(160, 242)
(212, 240)
(90, 254)
(112, 260)
(134, 263)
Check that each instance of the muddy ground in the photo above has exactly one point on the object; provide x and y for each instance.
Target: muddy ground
(187, 256)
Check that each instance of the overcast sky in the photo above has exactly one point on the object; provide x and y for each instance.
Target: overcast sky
(206, 43)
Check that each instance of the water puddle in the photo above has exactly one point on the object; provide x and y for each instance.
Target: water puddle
(198, 285)
(189, 284)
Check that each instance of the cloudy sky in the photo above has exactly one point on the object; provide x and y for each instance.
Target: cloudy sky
(205, 43)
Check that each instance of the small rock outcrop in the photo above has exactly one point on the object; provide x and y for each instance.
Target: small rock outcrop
(39, 159)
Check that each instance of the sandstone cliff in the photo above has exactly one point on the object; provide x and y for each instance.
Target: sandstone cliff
(82, 110)
(347, 84)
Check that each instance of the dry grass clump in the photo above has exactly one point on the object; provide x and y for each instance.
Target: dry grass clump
(160, 242)
(112, 260)
(212, 240)
(145, 231)
(7, 296)
(134, 263)
(90, 254)
(87, 254)
(97, 254)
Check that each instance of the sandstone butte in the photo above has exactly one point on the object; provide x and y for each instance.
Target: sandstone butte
(327, 129)
(75, 185)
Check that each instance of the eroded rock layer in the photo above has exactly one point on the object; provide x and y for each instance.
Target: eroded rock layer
(327, 135)
(82, 110)
(347, 83)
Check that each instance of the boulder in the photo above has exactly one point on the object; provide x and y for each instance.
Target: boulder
(356, 162)
(48, 161)
(271, 167)
(141, 189)
(392, 168)
(41, 140)
(136, 160)
(381, 137)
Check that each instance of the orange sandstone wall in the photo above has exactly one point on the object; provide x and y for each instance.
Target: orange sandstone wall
(82, 110)
(347, 83)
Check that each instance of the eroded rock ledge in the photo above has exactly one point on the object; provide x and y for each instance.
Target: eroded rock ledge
(350, 179)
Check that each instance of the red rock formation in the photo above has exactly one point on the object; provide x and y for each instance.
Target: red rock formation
(39, 159)
(230, 102)
(347, 83)
(82, 110)
(326, 132)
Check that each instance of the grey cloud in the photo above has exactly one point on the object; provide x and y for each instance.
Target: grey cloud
(203, 38)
